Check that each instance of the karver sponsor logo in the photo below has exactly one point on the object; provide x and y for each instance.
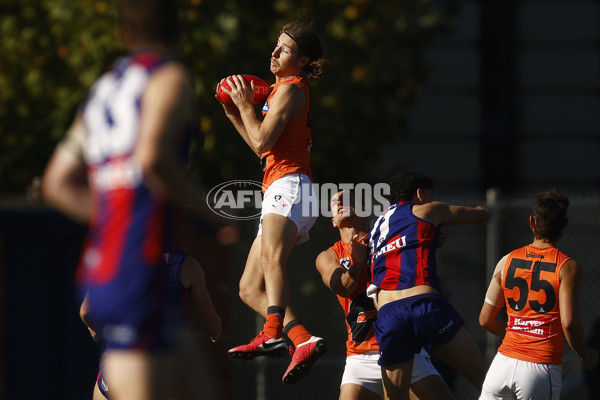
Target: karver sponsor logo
(538, 327)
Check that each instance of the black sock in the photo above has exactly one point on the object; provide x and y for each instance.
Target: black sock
(290, 325)
(280, 312)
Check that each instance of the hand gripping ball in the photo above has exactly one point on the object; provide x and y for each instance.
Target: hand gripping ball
(261, 91)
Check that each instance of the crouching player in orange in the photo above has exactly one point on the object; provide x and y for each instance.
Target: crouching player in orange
(343, 269)
(539, 285)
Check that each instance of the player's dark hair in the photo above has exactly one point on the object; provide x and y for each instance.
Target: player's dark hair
(309, 44)
(404, 185)
(550, 210)
(150, 20)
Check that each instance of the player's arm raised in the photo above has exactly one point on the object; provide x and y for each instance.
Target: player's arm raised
(446, 214)
(570, 283)
(287, 102)
(340, 280)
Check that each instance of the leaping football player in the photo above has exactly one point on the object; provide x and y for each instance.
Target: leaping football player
(282, 140)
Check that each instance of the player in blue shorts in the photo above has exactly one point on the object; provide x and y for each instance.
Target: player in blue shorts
(343, 269)
(186, 286)
(413, 313)
(122, 170)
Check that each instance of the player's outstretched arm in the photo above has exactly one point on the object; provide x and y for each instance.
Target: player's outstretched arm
(461, 215)
(202, 308)
(440, 213)
(570, 284)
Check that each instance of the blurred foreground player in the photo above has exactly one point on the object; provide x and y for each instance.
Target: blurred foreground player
(186, 286)
(282, 141)
(539, 285)
(121, 167)
(413, 313)
(343, 269)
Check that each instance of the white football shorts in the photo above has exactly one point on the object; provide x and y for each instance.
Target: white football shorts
(509, 378)
(293, 197)
(363, 370)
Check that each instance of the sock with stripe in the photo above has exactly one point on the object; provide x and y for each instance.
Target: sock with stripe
(274, 324)
(296, 332)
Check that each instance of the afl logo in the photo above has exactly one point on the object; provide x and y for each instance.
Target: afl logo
(239, 199)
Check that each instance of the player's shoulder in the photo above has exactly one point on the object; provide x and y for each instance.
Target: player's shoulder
(290, 97)
(176, 70)
(326, 256)
(501, 264)
(327, 253)
(429, 211)
(571, 265)
(570, 274)
(290, 89)
(172, 74)
(192, 264)
(172, 82)
(429, 206)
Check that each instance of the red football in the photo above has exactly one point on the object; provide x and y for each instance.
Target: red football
(261, 91)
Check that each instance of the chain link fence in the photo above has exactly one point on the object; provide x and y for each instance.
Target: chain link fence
(465, 261)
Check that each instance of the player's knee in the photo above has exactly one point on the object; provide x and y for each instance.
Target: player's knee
(246, 293)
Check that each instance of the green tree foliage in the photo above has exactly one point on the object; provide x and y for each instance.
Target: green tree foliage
(53, 50)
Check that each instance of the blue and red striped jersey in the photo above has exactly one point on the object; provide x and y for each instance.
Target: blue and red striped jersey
(130, 224)
(402, 250)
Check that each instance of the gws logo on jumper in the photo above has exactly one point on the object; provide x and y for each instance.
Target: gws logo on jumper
(392, 245)
(239, 199)
(345, 262)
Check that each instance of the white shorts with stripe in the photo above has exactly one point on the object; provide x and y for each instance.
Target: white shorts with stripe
(509, 378)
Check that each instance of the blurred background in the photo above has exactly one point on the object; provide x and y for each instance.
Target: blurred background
(495, 100)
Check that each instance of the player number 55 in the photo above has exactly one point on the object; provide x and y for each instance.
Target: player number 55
(537, 284)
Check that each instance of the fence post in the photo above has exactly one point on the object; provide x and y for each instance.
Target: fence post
(493, 246)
